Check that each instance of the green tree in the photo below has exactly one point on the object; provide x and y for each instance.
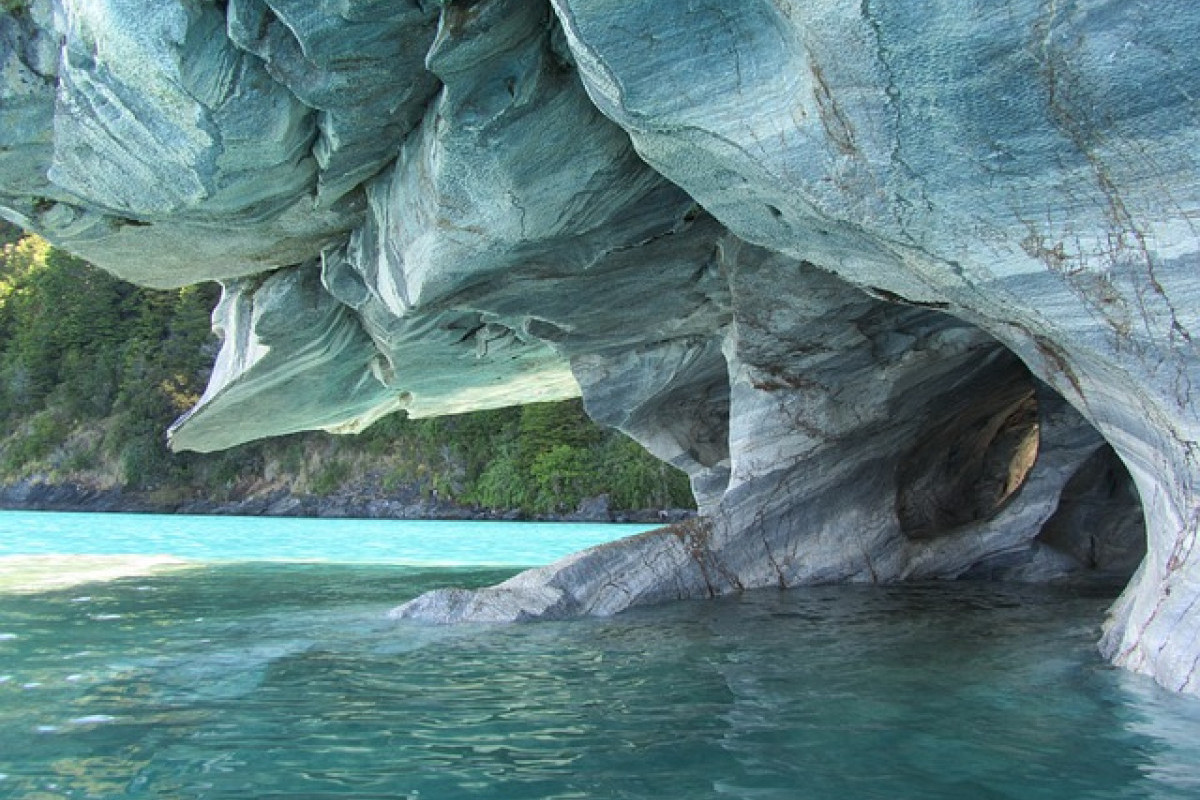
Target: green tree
(62, 325)
(635, 479)
(562, 476)
(503, 484)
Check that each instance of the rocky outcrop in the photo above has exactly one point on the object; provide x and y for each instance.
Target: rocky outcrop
(928, 426)
(884, 280)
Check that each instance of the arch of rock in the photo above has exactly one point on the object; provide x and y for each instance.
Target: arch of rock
(909, 291)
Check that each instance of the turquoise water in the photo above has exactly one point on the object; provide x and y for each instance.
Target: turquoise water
(443, 543)
(286, 680)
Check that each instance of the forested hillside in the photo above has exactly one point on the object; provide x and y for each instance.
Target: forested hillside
(93, 370)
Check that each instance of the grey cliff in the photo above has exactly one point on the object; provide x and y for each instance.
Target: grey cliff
(909, 291)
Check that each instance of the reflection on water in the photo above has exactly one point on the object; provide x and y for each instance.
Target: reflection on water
(251, 681)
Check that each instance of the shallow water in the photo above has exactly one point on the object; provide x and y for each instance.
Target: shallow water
(264, 680)
(423, 542)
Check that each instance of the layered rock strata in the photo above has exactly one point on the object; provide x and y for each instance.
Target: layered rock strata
(886, 281)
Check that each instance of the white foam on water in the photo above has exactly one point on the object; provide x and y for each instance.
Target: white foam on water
(93, 719)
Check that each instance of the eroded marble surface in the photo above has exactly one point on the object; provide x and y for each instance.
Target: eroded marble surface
(883, 279)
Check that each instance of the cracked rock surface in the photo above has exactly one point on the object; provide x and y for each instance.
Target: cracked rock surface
(908, 292)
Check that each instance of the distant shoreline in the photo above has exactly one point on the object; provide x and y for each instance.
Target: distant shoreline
(72, 497)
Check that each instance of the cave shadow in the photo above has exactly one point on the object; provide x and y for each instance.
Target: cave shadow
(969, 466)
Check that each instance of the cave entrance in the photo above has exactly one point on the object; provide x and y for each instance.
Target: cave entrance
(974, 457)
(1099, 523)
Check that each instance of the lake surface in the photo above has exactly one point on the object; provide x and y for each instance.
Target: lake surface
(348, 541)
(286, 680)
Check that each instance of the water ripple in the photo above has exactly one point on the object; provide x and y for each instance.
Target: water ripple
(271, 682)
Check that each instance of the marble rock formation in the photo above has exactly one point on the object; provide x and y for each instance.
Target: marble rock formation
(908, 291)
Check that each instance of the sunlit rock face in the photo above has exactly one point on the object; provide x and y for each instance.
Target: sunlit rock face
(1027, 167)
(909, 292)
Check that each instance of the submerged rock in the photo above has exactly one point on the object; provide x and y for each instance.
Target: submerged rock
(887, 282)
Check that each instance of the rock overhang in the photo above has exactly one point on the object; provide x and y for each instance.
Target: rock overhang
(770, 242)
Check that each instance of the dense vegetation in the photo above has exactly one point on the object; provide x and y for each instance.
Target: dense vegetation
(92, 370)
